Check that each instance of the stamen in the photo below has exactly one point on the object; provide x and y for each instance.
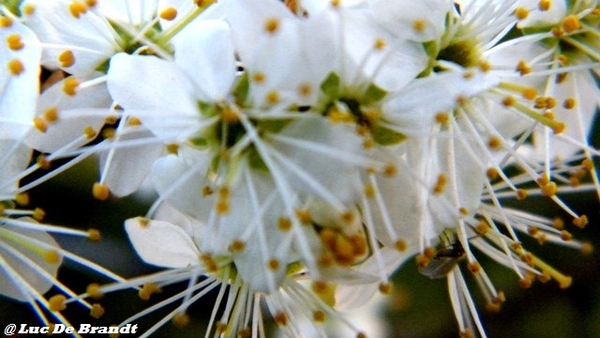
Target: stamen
(14, 42)
(15, 67)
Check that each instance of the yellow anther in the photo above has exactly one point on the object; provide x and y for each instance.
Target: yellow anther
(22, 199)
(91, 3)
(284, 224)
(43, 162)
(558, 127)
(468, 75)
(529, 93)
(467, 333)
(149, 289)
(222, 206)
(173, 148)
(569, 103)
(550, 102)
(419, 25)
(258, 77)
(319, 316)
(401, 245)
(348, 217)
(571, 23)
(57, 303)
(273, 264)
(90, 132)
(474, 267)
(544, 5)
(565, 235)
(97, 311)
(305, 89)
(587, 248)
(272, 97)
(580, 221)
(429, 252)
(493, 307)
(390, 170)
(52, 257)
(303, 215)
(209, 262)
(93, 290)
(558, 223)
(492, 173)
(369, 190)
(562, 59)
(440, 184)
(5, 22)
(168, 13)
(181, 319)
(521, 13)
(482, 228)
(574, 181)
(484, 66)
(134, 121)
(334, 3)
(108, 133)
(385, 288)
(525, 283)
(521, 194)
(66, 58)
(442, 118)
(379, 44)
(587, 164)
(70, 85)
(14, 42)
(422, 260)
(509, 101)
(495, 142)
(15, 67)
(77, 8)
(549, 189)
(51, 114)
(533, 230)
(463, 211)
(461, 101)
(523, 68)
(557, 32)
(281, 319)
(28, 9)
(100, 191)
(38, 214)
(94, 235)
(272, 25)
(237, 246)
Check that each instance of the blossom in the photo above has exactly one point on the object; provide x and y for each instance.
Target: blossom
(175, 244)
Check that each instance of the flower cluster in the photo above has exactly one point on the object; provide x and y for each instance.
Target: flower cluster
(302, 151)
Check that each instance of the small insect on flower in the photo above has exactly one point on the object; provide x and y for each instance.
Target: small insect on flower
(445, 259)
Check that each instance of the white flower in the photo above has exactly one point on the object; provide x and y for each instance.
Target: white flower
(175, 246)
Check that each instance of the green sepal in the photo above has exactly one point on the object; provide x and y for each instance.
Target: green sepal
(331, 85)
(242, 87)
(374, 94)
(386, 137)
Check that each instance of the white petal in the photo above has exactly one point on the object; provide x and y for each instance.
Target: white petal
(414, 107)
(18, 93)
(205, 52)
(161, 243)
(348, 297)
(129, 166)
(402, 17)
(14, 157)
(182, 188)
(88, 37)
(7, 286)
